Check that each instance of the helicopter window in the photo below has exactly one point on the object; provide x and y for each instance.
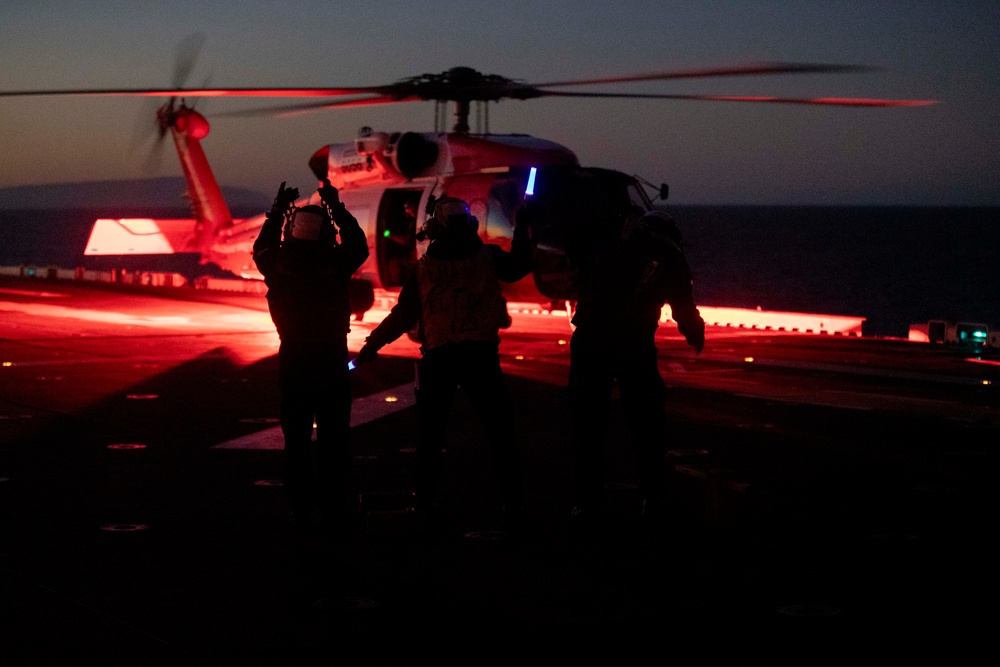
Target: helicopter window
(395, 241)
(481, 210)
(505, 196)
(638, 197)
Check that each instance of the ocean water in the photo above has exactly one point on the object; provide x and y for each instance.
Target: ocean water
(895, 266)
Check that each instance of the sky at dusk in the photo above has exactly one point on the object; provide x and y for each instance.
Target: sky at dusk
(709, 152)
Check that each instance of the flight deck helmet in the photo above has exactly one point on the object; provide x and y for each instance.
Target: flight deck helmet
(656, 226)
(309, 223)
(450, 215)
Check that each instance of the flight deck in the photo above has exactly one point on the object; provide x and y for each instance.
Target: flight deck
(831, 493)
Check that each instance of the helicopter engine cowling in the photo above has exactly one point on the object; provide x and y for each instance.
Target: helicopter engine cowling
(346, 168)
(369, 142)
(412, 154)
(376, 157)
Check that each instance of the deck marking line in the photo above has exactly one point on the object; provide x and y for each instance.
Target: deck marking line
(363, 410)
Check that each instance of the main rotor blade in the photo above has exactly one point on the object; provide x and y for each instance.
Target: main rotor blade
(392, 90)
(186, 56)
(299, 109)
(829, 101)
(464, 85)
(201, 92)
(742, 70)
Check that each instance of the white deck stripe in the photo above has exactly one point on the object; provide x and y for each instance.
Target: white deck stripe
(363, 410)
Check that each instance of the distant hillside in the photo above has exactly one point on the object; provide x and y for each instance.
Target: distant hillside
(163, 192)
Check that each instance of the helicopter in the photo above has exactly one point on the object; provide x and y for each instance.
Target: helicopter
(390, 180)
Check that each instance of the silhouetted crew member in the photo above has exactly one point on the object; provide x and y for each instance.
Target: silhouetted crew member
(454, 297)
(308, 276)
(623, 291)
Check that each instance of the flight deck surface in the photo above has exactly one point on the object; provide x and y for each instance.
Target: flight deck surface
(831, 493)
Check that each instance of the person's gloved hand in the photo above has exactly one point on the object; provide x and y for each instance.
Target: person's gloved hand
(285, 198)
(694, 333)
(526, 215)
(329, 194)
(367, 354)
(286, 195)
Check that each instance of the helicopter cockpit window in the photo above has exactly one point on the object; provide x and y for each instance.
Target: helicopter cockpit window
(638, 197)
(505, 197)
(396, 231)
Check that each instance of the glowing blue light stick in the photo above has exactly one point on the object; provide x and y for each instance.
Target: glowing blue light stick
(351, 365)
(530, 190)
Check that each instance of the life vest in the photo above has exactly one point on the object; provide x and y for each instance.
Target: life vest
(459, 299)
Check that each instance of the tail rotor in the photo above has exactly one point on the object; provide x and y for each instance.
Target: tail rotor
(165, 115)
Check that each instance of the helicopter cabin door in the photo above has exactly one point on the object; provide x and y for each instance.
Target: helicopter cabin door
(396, 235)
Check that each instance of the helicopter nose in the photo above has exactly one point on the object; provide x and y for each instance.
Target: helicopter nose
(319, 163)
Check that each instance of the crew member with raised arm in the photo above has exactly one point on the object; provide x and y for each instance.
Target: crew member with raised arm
(308, 273)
